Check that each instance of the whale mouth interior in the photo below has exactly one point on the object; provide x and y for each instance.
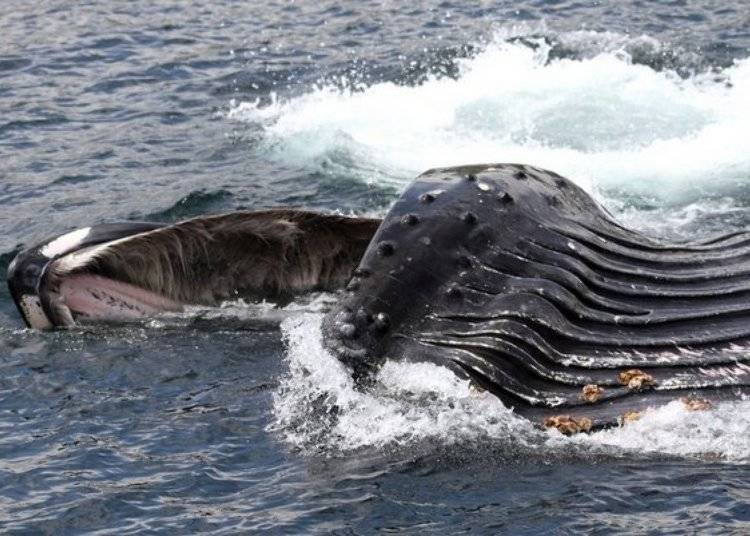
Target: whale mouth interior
(96, 298)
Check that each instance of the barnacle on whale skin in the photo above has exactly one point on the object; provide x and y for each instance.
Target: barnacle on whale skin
(568, 425)
(696, 404)
(629, 416)
(636, 379)
(591, 393)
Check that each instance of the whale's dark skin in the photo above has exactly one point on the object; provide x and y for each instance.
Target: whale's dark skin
(514, 277)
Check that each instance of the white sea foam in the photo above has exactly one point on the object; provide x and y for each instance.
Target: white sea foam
(318, 407)
(718, 433)
(602, 120)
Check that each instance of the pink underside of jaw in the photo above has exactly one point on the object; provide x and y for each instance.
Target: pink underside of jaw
(94, 297)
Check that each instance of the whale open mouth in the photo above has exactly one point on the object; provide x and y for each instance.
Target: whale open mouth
(125, 271)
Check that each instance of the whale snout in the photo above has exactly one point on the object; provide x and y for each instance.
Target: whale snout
(31, 275)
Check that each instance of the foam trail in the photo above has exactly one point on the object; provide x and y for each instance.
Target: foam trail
(600, 119)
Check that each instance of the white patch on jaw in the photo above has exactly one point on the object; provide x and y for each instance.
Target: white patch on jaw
(33, 312)
(64, 243)
(80, 258)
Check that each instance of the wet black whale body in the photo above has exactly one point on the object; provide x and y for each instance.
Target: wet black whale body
(510, 275)
(514, 277)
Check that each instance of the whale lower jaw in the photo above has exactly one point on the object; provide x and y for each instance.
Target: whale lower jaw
(92, 298)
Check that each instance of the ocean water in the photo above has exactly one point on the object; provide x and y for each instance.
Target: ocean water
(235, 419)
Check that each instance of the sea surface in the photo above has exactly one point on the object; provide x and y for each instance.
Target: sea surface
(235, 420)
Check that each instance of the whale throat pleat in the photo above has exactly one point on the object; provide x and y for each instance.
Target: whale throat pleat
(516, 278)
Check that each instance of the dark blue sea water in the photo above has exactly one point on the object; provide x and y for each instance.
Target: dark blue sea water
(223, 422)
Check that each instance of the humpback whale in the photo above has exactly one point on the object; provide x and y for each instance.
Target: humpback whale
(510, 275)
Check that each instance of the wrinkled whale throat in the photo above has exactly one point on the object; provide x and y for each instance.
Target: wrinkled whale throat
(515, 278)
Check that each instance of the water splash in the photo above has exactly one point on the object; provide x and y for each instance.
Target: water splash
(720, 433)
(317, 406)
(618, 127)
(317, 409)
